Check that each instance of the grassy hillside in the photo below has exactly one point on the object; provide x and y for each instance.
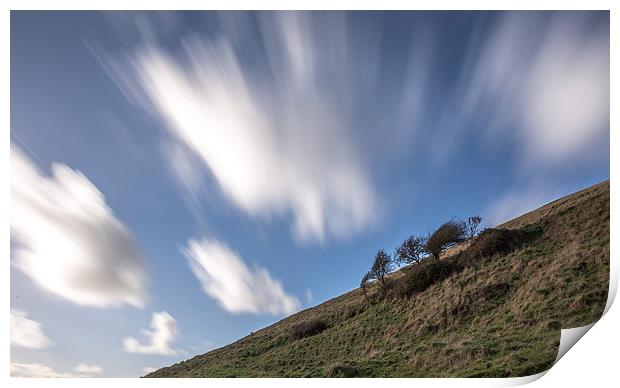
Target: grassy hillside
(499, 314)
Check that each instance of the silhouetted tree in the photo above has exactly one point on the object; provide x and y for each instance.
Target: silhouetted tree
(381, 266)
(472, 226)
(364, 283)
(446, 236)
(411, 250)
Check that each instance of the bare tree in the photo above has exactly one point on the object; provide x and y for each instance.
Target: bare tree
(381, 266)
(411, 250)
(364, 283)
(446, 236)
(472, 226)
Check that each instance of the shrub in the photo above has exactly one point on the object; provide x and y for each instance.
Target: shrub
(493, 242)
(446, 236)
(352, 311)
(421, 277)
(308, 328)
(344, 370)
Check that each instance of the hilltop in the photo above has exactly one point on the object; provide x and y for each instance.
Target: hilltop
(498, 314)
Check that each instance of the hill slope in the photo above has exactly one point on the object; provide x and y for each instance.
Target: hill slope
(497, 316)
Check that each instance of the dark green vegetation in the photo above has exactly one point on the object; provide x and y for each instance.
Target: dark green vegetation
(491, 307)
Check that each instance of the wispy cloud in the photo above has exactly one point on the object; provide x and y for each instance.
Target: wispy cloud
(545, 77)
(163, 332)
(538, 84)
(226, 278)
(38, 370)
(88, 369)
(277, 141)
(309, 295)
(26, 332)
(290, 128)
(516, 202)
(69, 241)
(18, 369)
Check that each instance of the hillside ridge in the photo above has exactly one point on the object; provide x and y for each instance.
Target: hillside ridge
(496, 316)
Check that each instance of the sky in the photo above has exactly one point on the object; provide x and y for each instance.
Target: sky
(181, 179)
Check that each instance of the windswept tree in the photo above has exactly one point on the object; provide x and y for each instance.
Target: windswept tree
(411, 250)
(446, 236)
(365, 282)
(381, 266)
(473, 223)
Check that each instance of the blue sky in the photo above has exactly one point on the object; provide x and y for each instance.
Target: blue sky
(181, 179)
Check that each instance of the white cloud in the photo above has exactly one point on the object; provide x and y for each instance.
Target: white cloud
(18, 369)
(518, 201)
(226, 278)
(68, 240)
(548, 79)
(88, 369)
(566, 96)
(545, 77)
(26, 332)
(163, 332)
(309, 296)
(285, 145)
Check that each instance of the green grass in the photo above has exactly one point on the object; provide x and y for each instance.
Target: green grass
(459, 327)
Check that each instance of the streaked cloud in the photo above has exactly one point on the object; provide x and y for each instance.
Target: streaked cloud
(68, 240)
(545, 77)
(226, 278)
(26, 332)
(88, 369)
(536, 84)
(19, 369)
(516, 202)
(163, 332)
(309, 295)
(280, 140)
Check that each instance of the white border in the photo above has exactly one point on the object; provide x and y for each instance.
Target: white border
(593, 362)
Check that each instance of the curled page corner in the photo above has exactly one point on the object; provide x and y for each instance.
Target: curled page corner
(516, 381)
(568, 339)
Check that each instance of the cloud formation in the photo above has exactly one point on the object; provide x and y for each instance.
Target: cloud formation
(163, 332)
(536, 85)
(26, 332)
(276, 141)
(18, 369)
(69, 241)
(226, 278)
(282, 109)
(546, 77)
(517, 202)
(88, 369)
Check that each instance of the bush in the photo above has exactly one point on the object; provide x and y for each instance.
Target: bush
(352, 311)
(421, 277)
(446, 236)
(344, 370)
(308, 328)
(492, 242)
